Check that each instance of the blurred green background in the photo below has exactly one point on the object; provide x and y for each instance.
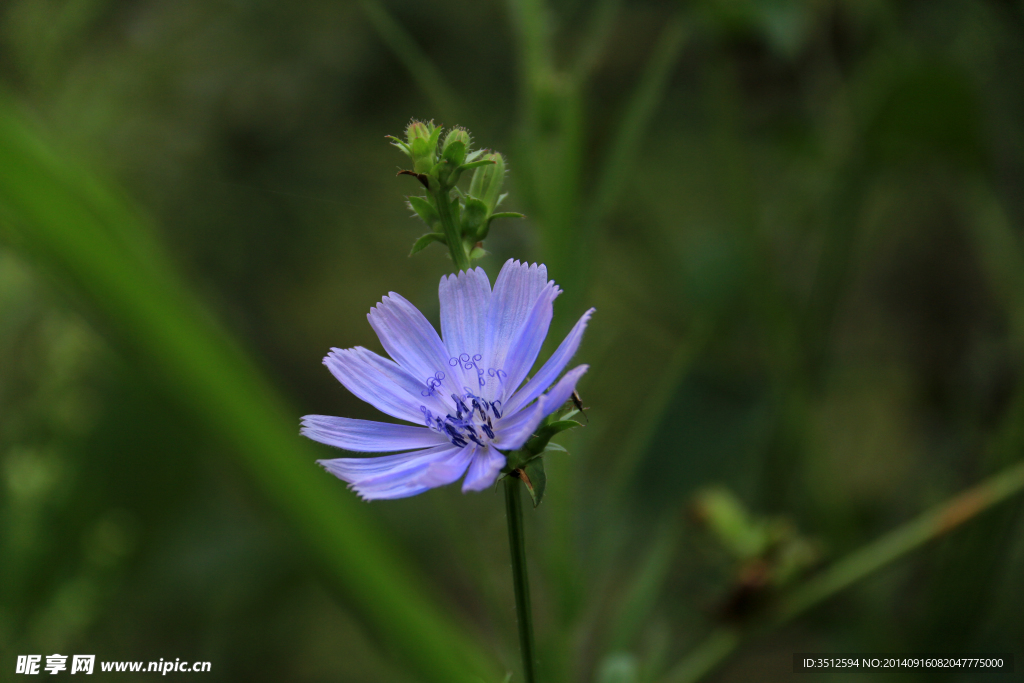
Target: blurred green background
(800, 222)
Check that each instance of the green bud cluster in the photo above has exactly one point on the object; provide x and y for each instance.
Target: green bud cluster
(459, 220)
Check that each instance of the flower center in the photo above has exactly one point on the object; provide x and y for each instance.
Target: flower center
(472, 421)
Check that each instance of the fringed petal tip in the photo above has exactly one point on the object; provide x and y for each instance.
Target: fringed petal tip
(472, 272)
(401, 476)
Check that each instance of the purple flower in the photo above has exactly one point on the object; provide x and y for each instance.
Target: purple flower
(462, 393)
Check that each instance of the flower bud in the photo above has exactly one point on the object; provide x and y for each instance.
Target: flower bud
(487, 181)
(421, 144)
(456, 146)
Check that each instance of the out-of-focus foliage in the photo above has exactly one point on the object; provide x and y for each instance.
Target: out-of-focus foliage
(800, 222)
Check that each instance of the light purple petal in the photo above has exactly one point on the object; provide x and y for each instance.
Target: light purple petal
(515, 293)
(444, 471)
(523, 352)
(398, 476)
(435, 467)
(551, 369)
(392, 493)
(465, 302)
(484, 469)
(362, 470)
(381, 383)
(365, 436)
(413, 342)
(513, 432)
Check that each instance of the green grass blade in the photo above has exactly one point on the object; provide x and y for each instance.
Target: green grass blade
(636, 118)
(423, 71)
(601, 23)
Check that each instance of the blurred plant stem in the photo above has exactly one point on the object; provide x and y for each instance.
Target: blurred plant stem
(618, 160)
(553, 140)
(427, 76)
(934, 523)
(520, 578)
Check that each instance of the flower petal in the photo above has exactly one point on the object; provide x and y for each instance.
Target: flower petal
(513, 431)
(444, 471)
(389, 476)
(484, 469)
(516, 291)
(550, 370)
(523, 352)
(436, 467)
(362, 470)
(465, 302)
(413, 342)
(366, 436)
(382, 384)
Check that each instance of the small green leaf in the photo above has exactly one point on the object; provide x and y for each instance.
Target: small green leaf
(425, 210)
(540, 439)
(421, 147)
(473, 155)
(424, 240)
(475, 164)
(455, 153)
(474, 213)
(399, 144)
(507, 214)
(477, 252)
(435, 137)
(535, 479)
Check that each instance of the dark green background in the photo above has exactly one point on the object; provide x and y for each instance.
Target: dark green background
(799, 221)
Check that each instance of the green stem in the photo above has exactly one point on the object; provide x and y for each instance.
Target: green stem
(451, 231)
(520, 580)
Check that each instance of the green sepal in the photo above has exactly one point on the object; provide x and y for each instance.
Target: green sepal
(475, 164)
(425, 210)
(424, 240)
(537, 443)
(507, 214)
(472, 156)
(568, 414)
(424, 151)
(455, 153)
(533, 476)
(477, 252)
(399, 144)
(474, 216)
